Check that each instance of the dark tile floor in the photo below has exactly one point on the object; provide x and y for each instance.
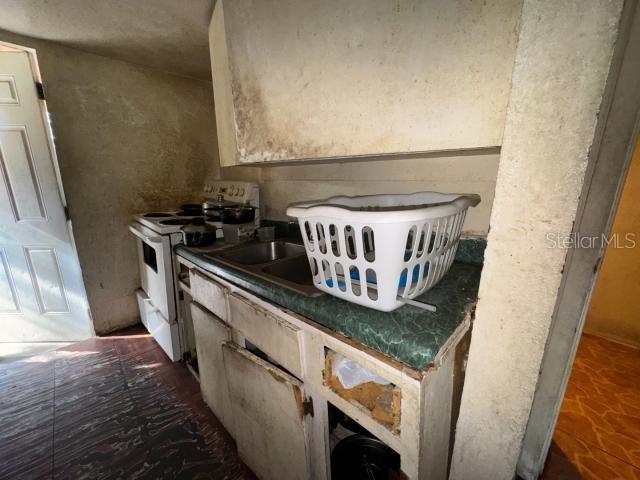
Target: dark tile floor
(111, 407)
(598, 431)
(116, 407)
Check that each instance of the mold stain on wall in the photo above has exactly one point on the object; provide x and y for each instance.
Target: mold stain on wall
(257, 139)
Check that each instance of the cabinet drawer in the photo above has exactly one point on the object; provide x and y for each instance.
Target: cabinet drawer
(209, 294)
(276, 337)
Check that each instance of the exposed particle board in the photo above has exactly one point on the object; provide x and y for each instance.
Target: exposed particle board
(383, 401)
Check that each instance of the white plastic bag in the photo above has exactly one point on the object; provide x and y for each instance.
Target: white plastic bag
(351, 374)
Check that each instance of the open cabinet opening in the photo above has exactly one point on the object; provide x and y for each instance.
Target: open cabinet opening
(356, 452)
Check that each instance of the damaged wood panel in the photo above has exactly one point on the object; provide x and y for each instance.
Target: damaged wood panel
(276, 337)
(269, 416)
(325, 79)
(210, 294)
(210, 334)
(382, 401)
(441, 394)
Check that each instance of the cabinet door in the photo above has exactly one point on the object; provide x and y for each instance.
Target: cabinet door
(210, 334)
(269, 416)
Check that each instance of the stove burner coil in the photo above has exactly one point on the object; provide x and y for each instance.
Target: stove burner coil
(157, 215)
(176, 221)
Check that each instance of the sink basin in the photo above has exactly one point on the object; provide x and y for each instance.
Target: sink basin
(279, 262)
(294, 270)
(258, 253)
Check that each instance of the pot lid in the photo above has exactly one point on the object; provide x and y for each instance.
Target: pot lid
(218, 203)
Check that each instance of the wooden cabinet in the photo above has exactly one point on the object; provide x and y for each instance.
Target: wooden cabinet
(306, 80)
(269, 410)
(211, 333)
(263, 395)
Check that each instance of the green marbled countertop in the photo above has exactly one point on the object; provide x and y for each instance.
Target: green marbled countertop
(409, 334)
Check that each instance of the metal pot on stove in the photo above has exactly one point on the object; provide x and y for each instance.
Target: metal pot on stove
(238, 214)
(230, 213)
(198, 233)
(213, 208)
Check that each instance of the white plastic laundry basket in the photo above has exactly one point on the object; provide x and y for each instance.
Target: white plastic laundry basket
(381, 250)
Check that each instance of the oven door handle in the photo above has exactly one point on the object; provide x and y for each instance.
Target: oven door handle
(144, 237)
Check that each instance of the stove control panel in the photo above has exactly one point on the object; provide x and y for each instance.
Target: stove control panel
(238, 192)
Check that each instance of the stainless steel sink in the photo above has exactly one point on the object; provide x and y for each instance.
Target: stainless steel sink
(264, 252)
(294, 270)
(279, 262)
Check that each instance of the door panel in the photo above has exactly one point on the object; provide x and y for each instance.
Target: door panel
(8, 91)
(19, 172)
(48, 287)
(8, 297)
(42, 295)
(269, 426)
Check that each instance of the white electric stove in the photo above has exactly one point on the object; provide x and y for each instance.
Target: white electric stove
(160, 303)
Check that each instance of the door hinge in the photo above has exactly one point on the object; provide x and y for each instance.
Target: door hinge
(40, 90)
(67, 217)
(307, 407)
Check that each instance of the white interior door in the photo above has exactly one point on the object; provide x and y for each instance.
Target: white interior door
(42, 296)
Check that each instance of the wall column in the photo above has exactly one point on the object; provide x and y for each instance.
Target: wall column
(563, 58)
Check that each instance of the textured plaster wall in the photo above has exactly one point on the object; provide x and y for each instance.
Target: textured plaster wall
(562, 61)
(327, 78)
(613, 312)
(462, 173)
(128, 139)
(168, 35)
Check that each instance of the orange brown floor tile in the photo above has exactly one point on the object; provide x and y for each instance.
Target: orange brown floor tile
(598, 431)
